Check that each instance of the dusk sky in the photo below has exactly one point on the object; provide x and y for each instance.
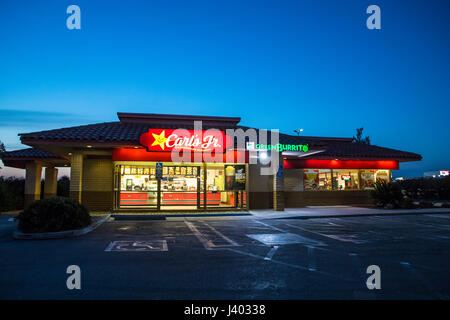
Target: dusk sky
(276, 64)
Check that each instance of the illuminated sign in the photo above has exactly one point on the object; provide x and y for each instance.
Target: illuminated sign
(180, 139)
(444, 172)
(277, 147)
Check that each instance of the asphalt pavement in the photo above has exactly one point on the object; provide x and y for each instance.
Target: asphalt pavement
(235, 258)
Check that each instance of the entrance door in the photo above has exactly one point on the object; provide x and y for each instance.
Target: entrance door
(180, 187)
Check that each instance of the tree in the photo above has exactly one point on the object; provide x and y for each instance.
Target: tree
(2, 149)
(359, 137)
(63, 187)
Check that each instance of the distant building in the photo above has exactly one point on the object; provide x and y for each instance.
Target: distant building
(436, 174)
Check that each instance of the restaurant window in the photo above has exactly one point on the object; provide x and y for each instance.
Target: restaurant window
(138, 186)
(345, 179)
(369, 177)
(317, 179)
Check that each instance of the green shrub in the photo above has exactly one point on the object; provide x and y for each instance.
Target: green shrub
(63, 187)
(387, 194)
(427, 188)
(11, 193)
(54, 214)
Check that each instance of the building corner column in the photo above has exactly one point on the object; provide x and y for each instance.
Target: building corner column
(278, 185)
(33, 173)
(51, 182)
(76, 176)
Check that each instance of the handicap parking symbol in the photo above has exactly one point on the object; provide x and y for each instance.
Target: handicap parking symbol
(141, 245)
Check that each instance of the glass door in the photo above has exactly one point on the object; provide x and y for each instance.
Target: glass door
(180, 187)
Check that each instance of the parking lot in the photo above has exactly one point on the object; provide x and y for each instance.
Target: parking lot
(235, 258)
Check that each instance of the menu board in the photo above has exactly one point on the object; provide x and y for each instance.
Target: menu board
(235, 177)
(239, 177)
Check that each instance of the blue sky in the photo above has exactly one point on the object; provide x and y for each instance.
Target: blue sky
(276, 64)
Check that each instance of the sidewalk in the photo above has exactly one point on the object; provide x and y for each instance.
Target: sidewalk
(339, 211)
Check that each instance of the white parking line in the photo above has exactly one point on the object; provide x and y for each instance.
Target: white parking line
(271, 253)
(233, 243)
(343, 238)
(199, 236)
(271, 227)
(209, 243)
(311, 259)
(338, 276)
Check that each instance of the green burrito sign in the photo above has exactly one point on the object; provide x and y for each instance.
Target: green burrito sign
(280, 147)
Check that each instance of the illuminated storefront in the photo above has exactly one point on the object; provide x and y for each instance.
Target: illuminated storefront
(181, 186)
(156, 162)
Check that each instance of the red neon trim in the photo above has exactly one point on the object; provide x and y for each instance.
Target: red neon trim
(340, 164)
(127, 154)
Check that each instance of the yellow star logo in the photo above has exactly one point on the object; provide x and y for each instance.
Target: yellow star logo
(159, 139)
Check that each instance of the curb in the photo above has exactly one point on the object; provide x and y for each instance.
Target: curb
(60, 234)
(124, 217)
(360, 215)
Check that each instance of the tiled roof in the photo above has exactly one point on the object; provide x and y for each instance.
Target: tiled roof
(124, 132)
(31, 153)
(363, 151)
(107, 131)
(128, 133)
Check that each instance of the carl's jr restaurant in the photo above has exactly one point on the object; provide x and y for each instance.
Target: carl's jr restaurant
(126, 165)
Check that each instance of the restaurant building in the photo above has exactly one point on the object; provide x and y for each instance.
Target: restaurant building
(128, 165)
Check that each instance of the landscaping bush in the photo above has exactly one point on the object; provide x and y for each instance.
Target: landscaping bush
(54, 214)
(427, 188)
(387, 195)
(11, 193)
